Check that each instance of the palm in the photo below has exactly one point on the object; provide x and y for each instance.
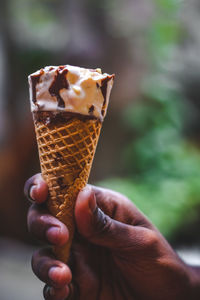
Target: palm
(96, 274)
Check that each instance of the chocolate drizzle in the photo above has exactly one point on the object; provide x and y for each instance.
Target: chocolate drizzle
(60, 82)
(35, 79)
(91, 109)
(53, 118)
(104, 87)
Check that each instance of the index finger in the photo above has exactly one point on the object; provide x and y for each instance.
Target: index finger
(36, 189)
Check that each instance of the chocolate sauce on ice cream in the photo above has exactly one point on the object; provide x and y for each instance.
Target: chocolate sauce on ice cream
(51, 117)
(60, 82)
(70, 89)
(35, 80)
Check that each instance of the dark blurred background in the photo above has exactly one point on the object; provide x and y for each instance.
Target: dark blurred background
(150, 143)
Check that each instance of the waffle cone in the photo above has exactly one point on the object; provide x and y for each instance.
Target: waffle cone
(66, 151)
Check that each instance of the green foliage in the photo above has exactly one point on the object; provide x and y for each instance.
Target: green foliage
(158, 122)
(32, 13)
(168, 6)
(35, 24)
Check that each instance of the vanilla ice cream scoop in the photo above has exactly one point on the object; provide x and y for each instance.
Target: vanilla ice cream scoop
(71, 89)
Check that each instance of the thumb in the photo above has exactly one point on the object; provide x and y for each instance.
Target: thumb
(97, 227)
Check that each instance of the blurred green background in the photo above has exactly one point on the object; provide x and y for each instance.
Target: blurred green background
(149, 148)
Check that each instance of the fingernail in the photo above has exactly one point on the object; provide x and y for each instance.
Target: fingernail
(31, 193)
(53, 235)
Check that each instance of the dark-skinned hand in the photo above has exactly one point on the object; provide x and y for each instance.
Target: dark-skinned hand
(117, 253)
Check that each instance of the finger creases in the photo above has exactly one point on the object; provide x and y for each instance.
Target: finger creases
(46, 227)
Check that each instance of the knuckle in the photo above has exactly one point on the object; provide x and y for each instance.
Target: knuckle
(40, 267)
(38, 224)
(151, 239)
(34, 262)
(33, 223)
(30, 216)
(31, 226)
(42, 220)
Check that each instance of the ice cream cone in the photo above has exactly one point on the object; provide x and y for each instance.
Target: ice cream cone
(68, 104)
(66, 151)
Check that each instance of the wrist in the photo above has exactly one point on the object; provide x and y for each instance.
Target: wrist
(183, 282)
(194, 273)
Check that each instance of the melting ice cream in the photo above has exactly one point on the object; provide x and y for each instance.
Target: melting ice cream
(71, 89)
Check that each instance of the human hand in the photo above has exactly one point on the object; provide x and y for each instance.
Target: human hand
(116, 253)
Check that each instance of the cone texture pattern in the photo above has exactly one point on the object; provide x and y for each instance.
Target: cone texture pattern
(66, 151)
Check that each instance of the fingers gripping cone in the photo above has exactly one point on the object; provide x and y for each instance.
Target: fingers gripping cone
(66, 153)
(68, 104)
